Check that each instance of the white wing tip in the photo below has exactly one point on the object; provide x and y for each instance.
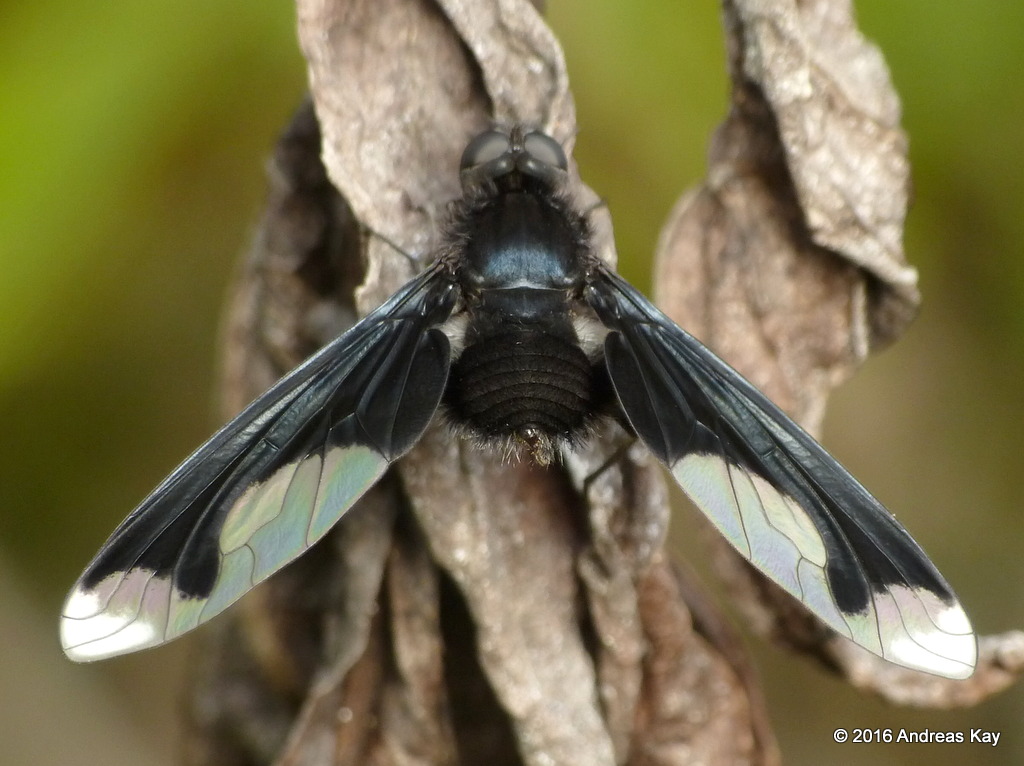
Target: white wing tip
(80, 643)
(122, 614)
(946, 648)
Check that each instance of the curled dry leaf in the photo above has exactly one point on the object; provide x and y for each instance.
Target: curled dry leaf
(504, 534)
(788, 262)
(789, 258)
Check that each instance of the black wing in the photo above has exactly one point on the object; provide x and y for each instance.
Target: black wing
(271, 482)
(776, 495)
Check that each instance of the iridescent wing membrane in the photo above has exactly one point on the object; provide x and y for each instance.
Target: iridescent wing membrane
(270, 483)
(783, 502)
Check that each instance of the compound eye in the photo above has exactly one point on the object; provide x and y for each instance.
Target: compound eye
(485, 148)
(545, 150)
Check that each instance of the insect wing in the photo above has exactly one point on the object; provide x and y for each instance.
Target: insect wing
(775, 494)
(270, 483)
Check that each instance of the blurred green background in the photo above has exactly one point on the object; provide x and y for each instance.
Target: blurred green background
(132, 144)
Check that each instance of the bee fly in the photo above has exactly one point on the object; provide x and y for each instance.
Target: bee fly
(523, 338)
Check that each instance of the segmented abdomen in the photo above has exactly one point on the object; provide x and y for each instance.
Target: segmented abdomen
(522, 380)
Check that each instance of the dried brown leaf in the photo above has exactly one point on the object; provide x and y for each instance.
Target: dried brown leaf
(788, 261)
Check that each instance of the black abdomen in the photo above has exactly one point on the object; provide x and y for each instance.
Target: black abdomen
(523, 382)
